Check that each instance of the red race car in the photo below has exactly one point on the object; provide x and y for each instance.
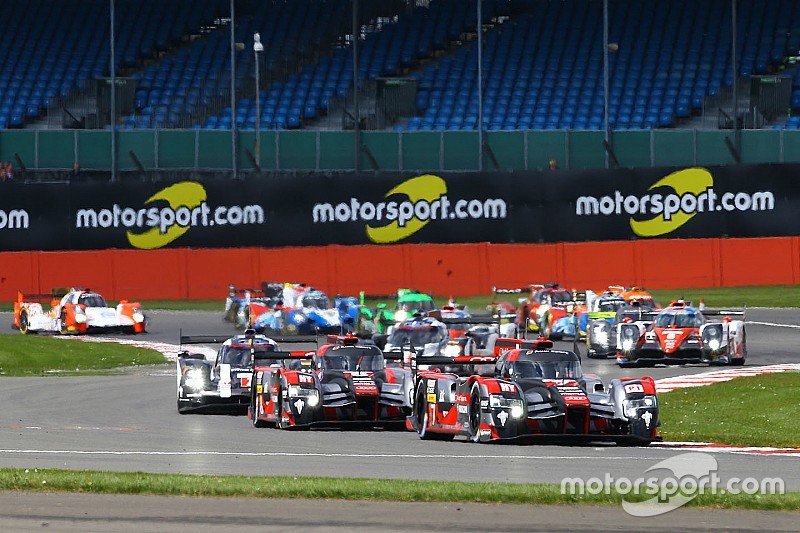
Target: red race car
(341, 383)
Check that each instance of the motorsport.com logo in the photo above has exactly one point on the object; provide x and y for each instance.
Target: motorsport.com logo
(405, 211)
(671, 204)
(165, 217)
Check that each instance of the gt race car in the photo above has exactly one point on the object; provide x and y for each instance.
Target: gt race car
(75, 311)
(346, 384)
(223, 383)
(532, 394)
(681, 333)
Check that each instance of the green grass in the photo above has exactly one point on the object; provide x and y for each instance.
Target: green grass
(344, 489)
(754, 296)
(27, 355)
(748, 411)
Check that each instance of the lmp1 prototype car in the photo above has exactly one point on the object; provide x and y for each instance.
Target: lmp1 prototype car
(601, 322)
(533, 394)
(346, 384)
(306, 313)
(75, 311)
(682, 333)
(223, 383)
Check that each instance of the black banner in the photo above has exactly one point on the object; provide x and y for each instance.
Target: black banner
(347, 208)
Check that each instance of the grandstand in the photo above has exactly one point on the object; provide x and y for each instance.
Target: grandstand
(670, 66)
(543, 62)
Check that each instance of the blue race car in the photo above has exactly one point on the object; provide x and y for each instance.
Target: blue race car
(314, 314)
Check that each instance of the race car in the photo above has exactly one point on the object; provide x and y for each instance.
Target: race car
(600, 323)
(223, 383)
(75, 311)
(346, 384)
(411, 302)
(241, 304)
(533, 394)
(305, 313)
(680, 334)
(568, 320)
(355, 316)
(542, 307)
(635, 295)
(422, 335)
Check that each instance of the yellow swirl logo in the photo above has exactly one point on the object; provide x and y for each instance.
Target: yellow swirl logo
(423, 193)
(690, 186)
(182, 198)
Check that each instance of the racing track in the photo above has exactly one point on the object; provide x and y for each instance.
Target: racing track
(129, 423)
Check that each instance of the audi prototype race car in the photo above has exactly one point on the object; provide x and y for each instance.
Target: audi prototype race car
(533, 394)
(680, 334)
(346, 384)
(75, 311)
(223, 383)
(422, 335)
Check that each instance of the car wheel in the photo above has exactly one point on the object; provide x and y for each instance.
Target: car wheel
(24, 326)
(475, 414)
(255, 407)
(279, 423)
(734, 362)
(63, 323)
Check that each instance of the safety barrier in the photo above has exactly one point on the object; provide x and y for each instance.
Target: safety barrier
(458, 269)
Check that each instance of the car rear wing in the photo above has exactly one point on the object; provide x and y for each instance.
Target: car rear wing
(219, 339)
(55, 294)
(261, 355)
(641, 316)
(738, 313)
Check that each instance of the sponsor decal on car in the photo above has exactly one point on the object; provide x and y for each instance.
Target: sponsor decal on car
(419, 201)
(675, 199)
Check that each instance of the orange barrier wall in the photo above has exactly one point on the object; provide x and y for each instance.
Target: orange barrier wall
(444, 269)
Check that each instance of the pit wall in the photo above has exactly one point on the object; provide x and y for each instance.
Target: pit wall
(443, 269)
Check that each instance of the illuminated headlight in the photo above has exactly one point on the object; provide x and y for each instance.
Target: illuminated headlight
(400, 316)
(631, 407)
(514, 405)
(627, 345)
(80, 315)
(195, 379)
(712, 337)
(311, 396)
(138, 316)
(452, 350)
(600, 335)
(714, 344)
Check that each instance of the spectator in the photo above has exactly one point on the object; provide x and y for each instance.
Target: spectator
(76, 174)
(554, 164)
(3, 173)
(9, 171)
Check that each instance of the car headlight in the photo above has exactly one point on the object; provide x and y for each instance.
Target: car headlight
(137, 315)
(631, 407)
(452, 350)
(714, 344)
(400, 316)
(311, 396)
(514, 405)
(195, 379)
(600, 336)
(627, 345)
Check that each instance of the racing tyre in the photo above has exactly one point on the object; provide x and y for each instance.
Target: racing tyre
(63, 323)
(475, 414)
(254, 411)
(422, 420)
(24, 325)
(279, 423)
(734, 362)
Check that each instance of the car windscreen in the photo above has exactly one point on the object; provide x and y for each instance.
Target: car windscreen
(415, 336)
(352, 359)
(418, 305)
(237, 356)
(611, 305)
(560, 296)
(679, 319)
(317, 302)
(92, 300)
(528, 367)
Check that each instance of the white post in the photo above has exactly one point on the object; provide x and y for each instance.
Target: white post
(257, 48)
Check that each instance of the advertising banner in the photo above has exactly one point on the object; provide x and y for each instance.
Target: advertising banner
(352, 209)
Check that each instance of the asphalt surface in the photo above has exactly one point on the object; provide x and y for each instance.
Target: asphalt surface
(130, 423)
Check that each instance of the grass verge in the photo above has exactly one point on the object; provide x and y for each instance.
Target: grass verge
(753, 296)
(747, 411)
(28, 355)
(346, 489)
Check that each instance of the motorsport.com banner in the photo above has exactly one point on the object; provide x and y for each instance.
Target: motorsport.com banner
(349, 209)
